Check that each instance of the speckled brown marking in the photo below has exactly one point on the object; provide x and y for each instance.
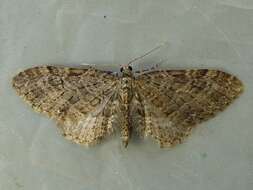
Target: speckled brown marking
(165, 105)
(188, 97)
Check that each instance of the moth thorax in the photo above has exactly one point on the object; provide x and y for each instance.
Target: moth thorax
(126, 90)
(126, 80)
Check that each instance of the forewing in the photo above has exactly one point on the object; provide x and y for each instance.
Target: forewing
(174, 101)
(80, 100)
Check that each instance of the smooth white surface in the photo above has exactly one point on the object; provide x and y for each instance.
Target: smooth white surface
(200, 34)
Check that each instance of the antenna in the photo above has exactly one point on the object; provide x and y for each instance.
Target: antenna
(147, 53)
(95, 65)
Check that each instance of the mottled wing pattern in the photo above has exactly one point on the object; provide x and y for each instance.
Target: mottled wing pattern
(80, 100)
(174, 101)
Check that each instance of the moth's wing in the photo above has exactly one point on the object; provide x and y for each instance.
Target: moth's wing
(174, 101)
(80, 100)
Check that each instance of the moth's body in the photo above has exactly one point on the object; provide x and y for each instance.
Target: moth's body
(125, 95)
(164, 105)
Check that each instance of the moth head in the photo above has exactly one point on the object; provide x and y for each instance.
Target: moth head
(126, 70)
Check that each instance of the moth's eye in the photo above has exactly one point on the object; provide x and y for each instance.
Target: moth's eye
(121, 69)
(130, 68)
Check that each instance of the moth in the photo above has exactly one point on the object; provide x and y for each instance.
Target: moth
(90, 104)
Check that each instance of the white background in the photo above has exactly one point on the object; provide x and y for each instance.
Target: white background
(200, 34)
